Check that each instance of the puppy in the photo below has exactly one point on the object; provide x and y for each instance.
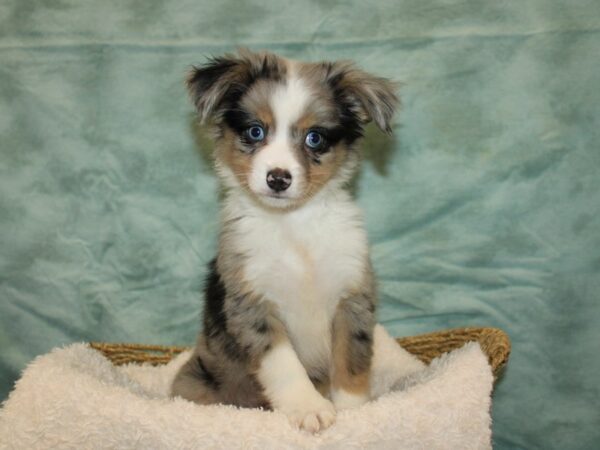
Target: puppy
(290, 297)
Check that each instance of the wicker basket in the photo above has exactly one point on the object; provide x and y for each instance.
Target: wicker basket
(494, 343)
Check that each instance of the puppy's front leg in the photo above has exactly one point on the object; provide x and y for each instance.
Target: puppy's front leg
(290, 390)
(277, 367)
(353, 326)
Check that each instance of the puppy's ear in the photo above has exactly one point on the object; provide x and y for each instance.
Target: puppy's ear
(221, 81)
(209, 83)
(366, 96)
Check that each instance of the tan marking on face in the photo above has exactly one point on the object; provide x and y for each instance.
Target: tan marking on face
(228, 152)
(319, 174)
(308, 120)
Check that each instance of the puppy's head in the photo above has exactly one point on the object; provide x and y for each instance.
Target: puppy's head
(284, 128)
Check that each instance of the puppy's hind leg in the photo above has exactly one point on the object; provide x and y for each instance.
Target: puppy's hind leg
(353, 326)
(195, 382)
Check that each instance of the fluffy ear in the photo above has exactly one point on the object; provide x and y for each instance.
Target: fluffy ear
(366, 96)
(208, 84)
(222, 80)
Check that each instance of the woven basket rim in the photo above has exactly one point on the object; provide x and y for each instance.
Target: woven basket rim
(494, 342)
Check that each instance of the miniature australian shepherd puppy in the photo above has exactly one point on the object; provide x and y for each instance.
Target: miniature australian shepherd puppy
(290, 297)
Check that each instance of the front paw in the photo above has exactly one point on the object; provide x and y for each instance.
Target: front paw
(343, 399)
(309, 411)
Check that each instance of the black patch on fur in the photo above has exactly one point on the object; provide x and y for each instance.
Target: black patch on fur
(237, 119)
(214, 297)
(316, 379)
(362, 336)
(205, 76)
(206, 376)
(215, 319)
(351, 127)
(261, 327)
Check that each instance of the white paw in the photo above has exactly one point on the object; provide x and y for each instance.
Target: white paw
(345, 400)
(311, 412)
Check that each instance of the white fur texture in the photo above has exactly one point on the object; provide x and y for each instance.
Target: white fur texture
(73, 398)
(287, 103)
(290, 390)
(312, 257)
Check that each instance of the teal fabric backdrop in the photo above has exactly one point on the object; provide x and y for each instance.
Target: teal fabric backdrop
(483, 209)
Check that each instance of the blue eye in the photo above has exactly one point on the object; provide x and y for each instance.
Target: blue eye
(314, 140)
(255, 133)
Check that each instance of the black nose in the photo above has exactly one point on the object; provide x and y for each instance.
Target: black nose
(279, 179)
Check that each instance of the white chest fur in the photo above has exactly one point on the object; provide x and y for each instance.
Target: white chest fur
(304, 261)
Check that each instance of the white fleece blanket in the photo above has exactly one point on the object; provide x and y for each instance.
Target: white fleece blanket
(74, 398)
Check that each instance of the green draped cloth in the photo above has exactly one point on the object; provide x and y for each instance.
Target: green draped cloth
(482, 210)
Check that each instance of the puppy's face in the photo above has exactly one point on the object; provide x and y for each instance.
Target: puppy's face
(285, 128)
